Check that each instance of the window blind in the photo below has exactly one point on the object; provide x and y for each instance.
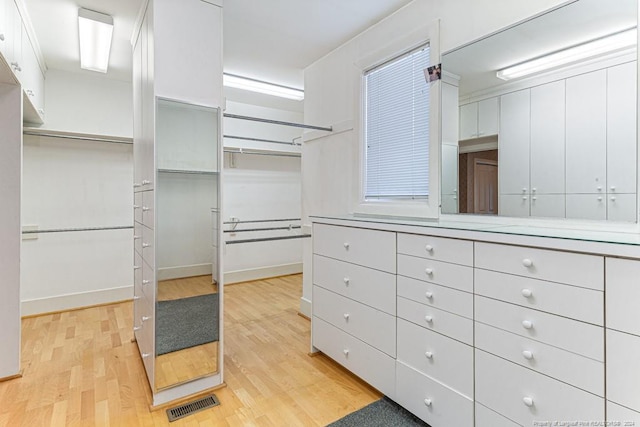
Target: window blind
(397, 128)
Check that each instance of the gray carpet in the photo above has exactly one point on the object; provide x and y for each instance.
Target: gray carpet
(186, 322)
(381, 413)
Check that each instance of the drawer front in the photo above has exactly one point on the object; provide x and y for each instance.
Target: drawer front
(148, 246)
(373, 366)
(371, 287)
(442, 273)
(623, 295)
(370, 248)
(148, 281)
(148, 209)
(431, 401)
(137, 207)
(620, 416)
(582, 372)
(623, 369)
(436, 248)
(568, 301)
(485, 417)
(372, 326)
(444, 359)
(578, 337)
(448, 324)
(447, 299)
(137, 273)
(137, 237)
(525, 396)
(586, 271)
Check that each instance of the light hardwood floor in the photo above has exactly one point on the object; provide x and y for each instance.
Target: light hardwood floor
(81, 369)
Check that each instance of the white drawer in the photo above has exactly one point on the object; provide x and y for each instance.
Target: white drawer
(148, 209)
(620, 416)
(506, 388)
(372, 326)
(586, 271)
(137, 273)
(582, 372)
(623, 295)
(444, 359)
(436, 248)
(581, 338)
(448, 324)
(137, 207)
(370, 248)
(443, 273)
(137, 237)
(568, 301)
(148, 283)
(623, 369)
(373, 366)
(447, 299)
(485, 417)
(371, 287)
(431, 401)
(148, 246)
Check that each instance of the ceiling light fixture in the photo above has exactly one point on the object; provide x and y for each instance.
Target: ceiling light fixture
(239, 82)
(608, 44)
(94, 30)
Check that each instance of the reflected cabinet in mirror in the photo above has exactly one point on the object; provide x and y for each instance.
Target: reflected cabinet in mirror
(539, 120)
(187, 253)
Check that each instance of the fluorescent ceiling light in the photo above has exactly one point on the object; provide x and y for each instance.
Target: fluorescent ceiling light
(94, 30)
(608, 44)
(238, 82)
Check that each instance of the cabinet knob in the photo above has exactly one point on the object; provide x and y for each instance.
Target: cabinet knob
(613, 198)
(145, 355)
(599, 199)
(524, 197)
(527, 262)
(524, 189)
(455, 197)
(429, 271)
(429, 294)
(527, 324)
(1, 37)
(135, 237)
(41, 111)
(136, 185)
(428, 319)
(528, 401)
(613, 188)
(145, 208)
(429, 248)
(527, 355)
(136, 206)
(427, 402)
(346, 281)
(346, 316)
(145, 245)
(346, 245)
(534, 198)
(136, 328)
(533, 190)
(146, 182)
(136, 297)
(145, 318)
(527, 293)
(599, 188)
(346, 352)
(429, 355)
(136, 267)
(145, 282)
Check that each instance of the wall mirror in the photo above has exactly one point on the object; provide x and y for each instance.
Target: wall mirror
(187, 252)
(539, 120)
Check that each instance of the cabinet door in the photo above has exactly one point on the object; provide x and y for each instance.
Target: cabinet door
(33, 80)
(513, 146)
(547, 138)
(621, 207)
(623, 370)
(623, 295)
(16, 40)
(469, 121)
(488, 117)
(137, 115)
(548, 205)
(621, 128)
(449, 114)
(587, 206)
(586, 143)
(449, 169)
(513, 205)
(3, 27)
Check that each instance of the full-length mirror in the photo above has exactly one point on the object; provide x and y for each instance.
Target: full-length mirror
(539, 120)
(187, 305)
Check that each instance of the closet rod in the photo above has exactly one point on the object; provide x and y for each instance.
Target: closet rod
(291, 227)
(277, 122)
(262, 220)
(65, 230)
(81, 138)
(258, 153)
(246, 138)
(267, 239)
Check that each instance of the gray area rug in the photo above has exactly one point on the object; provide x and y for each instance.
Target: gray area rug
(186, 322)
(381, 413)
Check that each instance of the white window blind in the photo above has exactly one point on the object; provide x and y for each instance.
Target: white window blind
(397, 128)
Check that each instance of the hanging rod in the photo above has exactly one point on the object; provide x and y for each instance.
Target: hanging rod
(291, 227)
(184, 171)
(277, 122)
(246, 138)
(65, 230)
(258, 153)
(267, 239)
(77, 137)
(262, 220)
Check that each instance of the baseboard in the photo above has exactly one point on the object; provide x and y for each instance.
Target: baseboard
(169, 273)
(11, 377)
(71, 301)
(305, 307)
(262, 273)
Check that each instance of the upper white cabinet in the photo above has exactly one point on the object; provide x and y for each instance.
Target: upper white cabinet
(450, 121)
(515, 116)
(479, 119)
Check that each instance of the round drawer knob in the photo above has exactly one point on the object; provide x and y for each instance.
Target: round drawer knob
(524, 197)
(527, 262)
(599, 188)
(346, 245)
(136, 297)
(346, 352)
(527, 355)
(427, 402)
(136, 328)
(346, 281)
(429, 295)
(428, 319)
(145, 245)
(145, 318)
(136, 206)
(527, 324)
(528, 401)
(145, 282)
(524, 189)
(527, 293)
(613, 188)
(599, 199)
(145, 208)
(429, 355)
(136, 237)
(145, 355)
(613, 198)
(429, 248)
(429, 271)
(346, 316)
(136, 267)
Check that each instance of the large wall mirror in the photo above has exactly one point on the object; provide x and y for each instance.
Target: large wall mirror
(187, 252)
(539, 120)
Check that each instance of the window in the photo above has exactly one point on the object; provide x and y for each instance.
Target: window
(397, 128)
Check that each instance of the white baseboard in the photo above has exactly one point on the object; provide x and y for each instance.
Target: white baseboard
(78, 300)
(262, 273)
(169, 273)
(305, 307)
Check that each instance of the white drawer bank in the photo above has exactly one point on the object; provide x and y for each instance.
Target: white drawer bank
(465, 327)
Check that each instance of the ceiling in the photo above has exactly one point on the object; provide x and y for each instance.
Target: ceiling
(268, 40)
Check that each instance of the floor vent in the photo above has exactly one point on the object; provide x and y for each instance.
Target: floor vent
(192, 407)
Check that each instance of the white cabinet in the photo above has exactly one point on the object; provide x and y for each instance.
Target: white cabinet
(587, 206)
(32, 82)
(514, 205)
(623, 295)
(479, 119)
(622, 207)
(3, 26)
(449, 114)
(449, 178)
(515, 115)
(548, 205)
(623, 373)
